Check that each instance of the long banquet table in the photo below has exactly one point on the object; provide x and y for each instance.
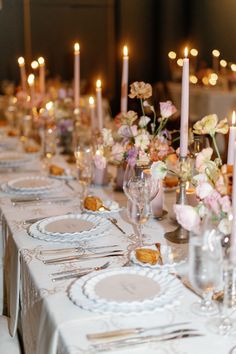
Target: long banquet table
(49, 322)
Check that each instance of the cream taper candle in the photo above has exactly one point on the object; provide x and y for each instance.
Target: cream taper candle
(41, 62)
(92, 112)
(32, 89)
(124, 81)
(184, 107)
(232, 139)
(233, 232)
(76, 75)
(21, 62)
(99, 104)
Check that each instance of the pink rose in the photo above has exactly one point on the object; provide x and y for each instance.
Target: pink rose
(187, 217)
(167, 109)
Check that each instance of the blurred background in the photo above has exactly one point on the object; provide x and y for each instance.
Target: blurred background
(150, 28)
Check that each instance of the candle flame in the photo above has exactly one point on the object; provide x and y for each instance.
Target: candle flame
(41, 61)
(186, 52)
(216, 53)
(233, 67)
(21, 61)
(91, 100)
(34, 65)
(76, 47)
(233, 118)
(99, 83)
(125, 51)
(223, 63)
(49, 105)
(31, 79)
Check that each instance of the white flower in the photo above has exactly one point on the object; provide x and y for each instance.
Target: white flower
(187, 216)
(143, 157)
(159, 170)
(142, 141)
(127, 132)
(107, 137)
(144, 120)
(225, 226)
(203, 190)
(167, 109)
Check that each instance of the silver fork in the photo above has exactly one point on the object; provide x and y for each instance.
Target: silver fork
(77, 273)
(115, 223)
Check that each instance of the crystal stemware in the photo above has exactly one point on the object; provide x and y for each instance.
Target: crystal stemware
(205, 268)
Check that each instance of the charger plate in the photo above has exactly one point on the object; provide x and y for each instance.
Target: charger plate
(125, 291)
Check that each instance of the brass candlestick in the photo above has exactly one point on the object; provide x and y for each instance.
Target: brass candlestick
(180, 235)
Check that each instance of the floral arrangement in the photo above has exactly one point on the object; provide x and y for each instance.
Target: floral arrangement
(211, 180)
(139, 140)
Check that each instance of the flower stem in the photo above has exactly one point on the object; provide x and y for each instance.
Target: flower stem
(141, 102)
(216, 148)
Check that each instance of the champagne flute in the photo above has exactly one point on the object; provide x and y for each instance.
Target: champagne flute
(83, 156)
(205, 269)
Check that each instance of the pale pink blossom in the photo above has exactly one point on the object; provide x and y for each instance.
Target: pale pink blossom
(100, 161)
(187, 217)
(117, 152)
(212, 201)
(128, 132)
(203, 190)
(203, 159)
(167, 109)
(225, 204)
(142, 140)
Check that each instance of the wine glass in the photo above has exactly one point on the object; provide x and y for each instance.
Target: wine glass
(84, 159)
(140, 189)
(205, 268)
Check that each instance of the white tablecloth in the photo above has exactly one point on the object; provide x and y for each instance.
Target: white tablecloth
(51, 323)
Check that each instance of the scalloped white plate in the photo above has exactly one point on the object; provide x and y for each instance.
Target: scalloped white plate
(34, 231)
(12, 158)
(33, 184)
(171, 291)
(169, 258)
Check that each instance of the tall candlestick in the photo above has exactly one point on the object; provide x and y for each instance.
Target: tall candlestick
(233, 232)
(31, 86)
(184, 107)
(76, 75)
(21, 62)
(41, 62)
(92, 112)
(124, 81)
(99, 104)
(232, 140)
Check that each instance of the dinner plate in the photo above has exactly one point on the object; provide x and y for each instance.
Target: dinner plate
(33, 184)
(170, 258)
(34, 231)
(12, 158)
(168, 286)
(110, 204)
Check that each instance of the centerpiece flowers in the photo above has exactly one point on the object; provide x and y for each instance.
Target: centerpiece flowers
(212, 181)
(139, 140)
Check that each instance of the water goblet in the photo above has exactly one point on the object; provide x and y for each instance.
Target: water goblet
(205, 269)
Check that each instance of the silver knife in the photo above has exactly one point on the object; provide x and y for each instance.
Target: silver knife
(82, 257)
(73, 249)
(130, 331)
(38, 199)
(141, 340)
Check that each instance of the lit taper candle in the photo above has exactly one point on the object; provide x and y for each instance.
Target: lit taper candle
(76, 75)
(21, 62)
(124, 81)
(233, 232)
(31, 86)
(184, 107)
(99, 104)
(41, 62)
(92, 112)
(232, 140)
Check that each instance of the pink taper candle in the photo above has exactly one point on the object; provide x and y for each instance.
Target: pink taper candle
(99, 104)
(184, 107)
(124, 81)
(21, 62)
(41, 62)
(92, 112)
(76, 75)
(233, 232)
(232, 139)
